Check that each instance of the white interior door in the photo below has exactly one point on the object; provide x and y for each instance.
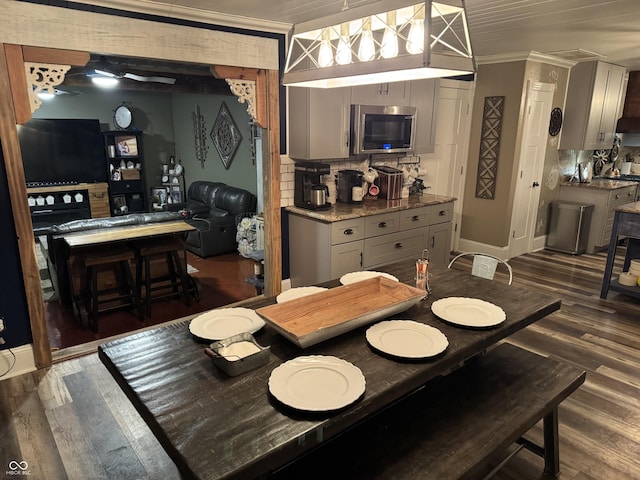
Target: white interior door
(446, 166)
(532, 153)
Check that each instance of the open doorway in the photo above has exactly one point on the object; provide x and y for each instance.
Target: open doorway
(164, 115)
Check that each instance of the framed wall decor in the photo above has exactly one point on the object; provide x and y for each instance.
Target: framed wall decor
(225, 135)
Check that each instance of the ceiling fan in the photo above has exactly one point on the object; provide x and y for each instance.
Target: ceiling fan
(102, 67)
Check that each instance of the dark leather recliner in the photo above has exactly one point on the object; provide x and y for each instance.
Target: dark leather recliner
(214, 209)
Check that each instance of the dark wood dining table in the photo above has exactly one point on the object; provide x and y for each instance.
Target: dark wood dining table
(215, 426)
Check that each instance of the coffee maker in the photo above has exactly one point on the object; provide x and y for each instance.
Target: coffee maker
(309, 191)
(350, 186)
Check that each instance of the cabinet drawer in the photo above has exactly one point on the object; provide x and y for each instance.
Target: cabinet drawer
(346, 257)
(441, 213)
(381, 224)
(622, 196)
(347, 231)
(415, 218)
(393, 247)
(126, 186)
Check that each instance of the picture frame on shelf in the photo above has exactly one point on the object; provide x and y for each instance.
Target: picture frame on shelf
(160, 193)
(120, 204)
(176, 195)
(126, 145)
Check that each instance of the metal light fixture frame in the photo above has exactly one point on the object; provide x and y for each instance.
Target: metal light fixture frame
(447, 51)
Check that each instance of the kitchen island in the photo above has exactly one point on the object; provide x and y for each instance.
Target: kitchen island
(325, 244)
(605, 195)
(214, 426)
(626, 223)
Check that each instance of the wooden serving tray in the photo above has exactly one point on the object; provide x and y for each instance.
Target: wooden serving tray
(323, 315)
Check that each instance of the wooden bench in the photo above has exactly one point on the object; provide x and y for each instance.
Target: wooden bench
(464, 425)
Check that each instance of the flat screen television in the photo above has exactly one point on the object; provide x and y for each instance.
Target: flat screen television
(62, 151)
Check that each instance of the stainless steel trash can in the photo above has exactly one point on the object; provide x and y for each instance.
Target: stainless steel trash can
(569, 227)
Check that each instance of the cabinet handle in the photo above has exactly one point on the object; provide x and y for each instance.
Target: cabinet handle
(398, 245)
(98, 195)
(617, 196)
(348, 231)
(433, 242)
(361, 263)
(415, 218)
(442, 213)
(382, 225)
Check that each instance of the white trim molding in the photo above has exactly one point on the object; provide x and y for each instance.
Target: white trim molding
(24, 362)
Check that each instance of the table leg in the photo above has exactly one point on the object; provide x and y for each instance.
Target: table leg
(611, 255)
(551, 443)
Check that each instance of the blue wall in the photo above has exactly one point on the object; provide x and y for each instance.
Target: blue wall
(13, 300)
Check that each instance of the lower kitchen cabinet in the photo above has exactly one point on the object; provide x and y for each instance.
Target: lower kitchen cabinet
(604, 200)
(320, 251)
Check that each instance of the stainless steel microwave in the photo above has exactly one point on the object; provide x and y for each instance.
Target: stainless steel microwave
(382, 129)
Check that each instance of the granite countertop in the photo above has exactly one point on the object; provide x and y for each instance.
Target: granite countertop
(344, 211)
(601, 184)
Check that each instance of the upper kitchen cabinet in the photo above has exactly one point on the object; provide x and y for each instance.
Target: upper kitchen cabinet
(424, 96)
(393, 93)
(591, 112)
(318, 123)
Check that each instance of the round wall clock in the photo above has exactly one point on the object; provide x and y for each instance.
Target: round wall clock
(556, 122)
(123, 117)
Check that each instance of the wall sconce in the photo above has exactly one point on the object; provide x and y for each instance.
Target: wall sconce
(385, 41)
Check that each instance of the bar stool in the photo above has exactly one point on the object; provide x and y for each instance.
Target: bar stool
(98, 263)
(168, 250)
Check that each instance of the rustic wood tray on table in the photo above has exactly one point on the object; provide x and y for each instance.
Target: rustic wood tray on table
(312, 319)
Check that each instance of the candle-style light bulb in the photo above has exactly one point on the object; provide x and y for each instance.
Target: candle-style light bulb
(367, 49)
(415, 40)
(325, 55)
(343, 52)
(389, 47)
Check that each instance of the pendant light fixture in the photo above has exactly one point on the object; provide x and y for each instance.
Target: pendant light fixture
(383, 41)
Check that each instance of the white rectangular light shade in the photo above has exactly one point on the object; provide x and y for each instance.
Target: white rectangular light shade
(446, 52)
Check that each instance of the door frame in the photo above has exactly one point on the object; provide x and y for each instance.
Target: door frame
(65, 29)
(533, 88)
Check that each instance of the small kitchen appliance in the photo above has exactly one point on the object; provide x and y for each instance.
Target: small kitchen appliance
(389, 181)
(309, 190)
(350, 186)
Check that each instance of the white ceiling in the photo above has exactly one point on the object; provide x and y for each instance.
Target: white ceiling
(610, 28)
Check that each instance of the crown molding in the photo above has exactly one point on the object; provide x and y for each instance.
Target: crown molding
(525, 56)
(192, 14)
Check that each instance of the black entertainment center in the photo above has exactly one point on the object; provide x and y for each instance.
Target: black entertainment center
(66, 170)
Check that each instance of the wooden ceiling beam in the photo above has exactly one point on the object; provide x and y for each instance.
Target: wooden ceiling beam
(55, 56)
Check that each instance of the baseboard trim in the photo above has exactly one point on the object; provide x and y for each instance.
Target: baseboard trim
(470, 246)
(25, 362)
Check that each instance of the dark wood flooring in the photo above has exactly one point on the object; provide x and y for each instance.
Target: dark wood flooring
(72, 420)
(221, 279)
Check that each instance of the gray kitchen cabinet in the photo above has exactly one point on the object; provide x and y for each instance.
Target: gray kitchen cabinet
(591, 112)
(604, 201)
(424, 96)
(393, 93)
(318, 123)
(320, 251)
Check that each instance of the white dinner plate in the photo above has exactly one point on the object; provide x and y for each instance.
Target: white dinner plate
(225, 322)
(468, 312)
(298, 292)
(407, 339)
(352, 277)
(317, 383)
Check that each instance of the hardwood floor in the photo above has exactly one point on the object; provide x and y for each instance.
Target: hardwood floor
(72, 421)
